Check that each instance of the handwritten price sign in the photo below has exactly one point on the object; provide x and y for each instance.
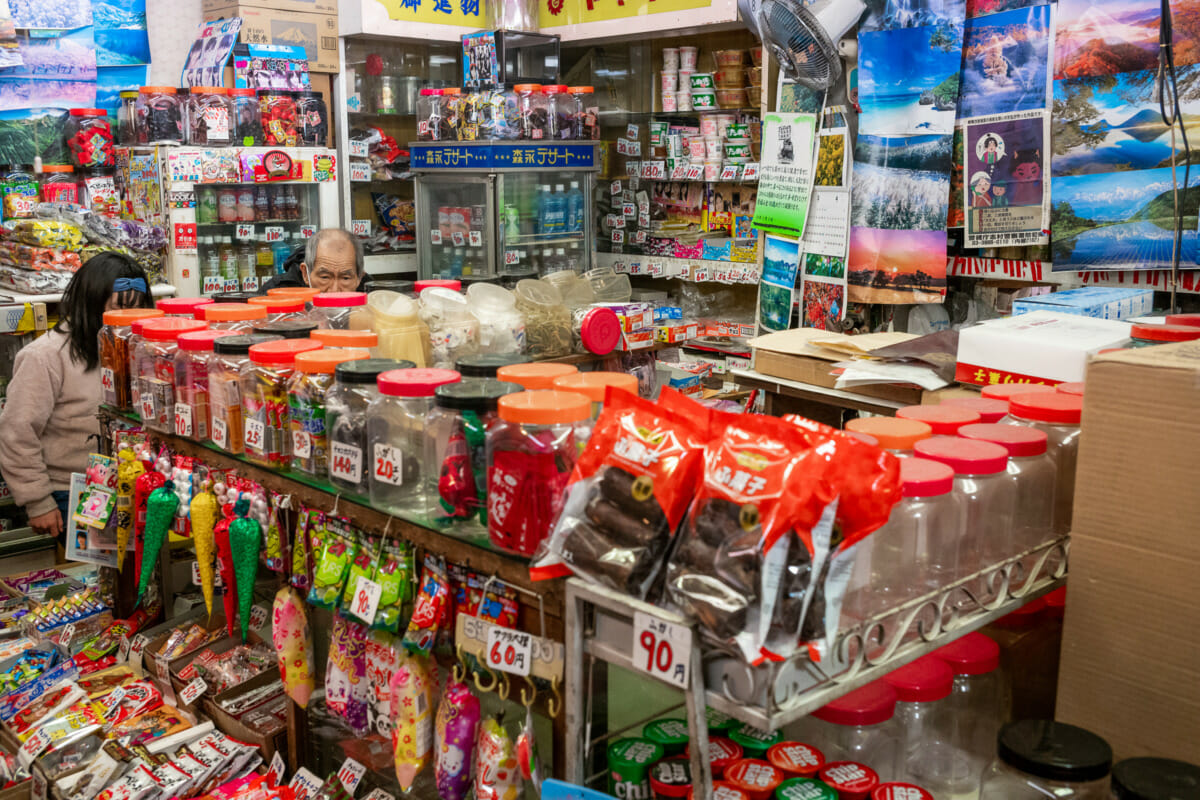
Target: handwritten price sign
(244, 231)
(662, 649)
(511, 257)
(509, 651)
(387, 465)
(360, 172)
(256, 434)
(345, 462)
(191, 693)
(435, 236)
(351, 774)
(274, 233)
(360, 227)
(183, 419)
(308, 231)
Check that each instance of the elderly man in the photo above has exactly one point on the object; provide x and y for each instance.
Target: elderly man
(332, 261)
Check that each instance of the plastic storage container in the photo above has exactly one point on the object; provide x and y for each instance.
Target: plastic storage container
(306, 390)
(312, 120)
(989, 410)
(1037, 759)
(338, 309)
(1058, 415)
(501, 326)
(127, 118)
(364, 341)
(894, 434)
(59, 184)
(533, 108)
(530, 453)
(247, 118)
(453, 329)
(860, 726)
(230, 355)
(405, 483)
(979, 701)
(1155, 779)
(156, 380)
(90, 139)
(354, 389)
(486, 365)
(535, 376)
(402, 334)
(286, 328)
(429, 116)
(1151, 335)
(186, 307)
(305, 292)
(159, 115)
(191, 419)
(927, 754)
(548, 325)
(988, 496)
(277, 112)
(210, 117)
(1033, 474)
(560, 112)
(264, 384)
(239, 317)
(115, 354)
(586, 124)
(595, 386)
(943, 420)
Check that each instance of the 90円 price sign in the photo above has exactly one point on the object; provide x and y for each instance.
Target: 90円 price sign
(662, 649)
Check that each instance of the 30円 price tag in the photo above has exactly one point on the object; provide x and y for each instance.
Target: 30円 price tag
(351, 774)
(345, 462)
(366, 599)
(388, 461)
(662, 649)
(256, 434)
(183, 419)
(192, 692)
(509, 651)
(301, 444)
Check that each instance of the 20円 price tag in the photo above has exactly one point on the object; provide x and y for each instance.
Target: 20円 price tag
(351, 774)
(388, 465)
(662, 649)
(509, 651)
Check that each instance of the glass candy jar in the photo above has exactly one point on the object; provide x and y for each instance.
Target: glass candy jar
(247, 118)
(1037, 759)
(210, 117)
(533, 108)
(90, 139)
(191, 382)
(312, 119)
(339, 310)
(159, 115)
(156, 381)
(115, 334)
(230, 355)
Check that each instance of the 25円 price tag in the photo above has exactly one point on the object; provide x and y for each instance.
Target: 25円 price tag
(351, 774)
(662, 649)
(256, 434)
(509, 651)
(366, 599)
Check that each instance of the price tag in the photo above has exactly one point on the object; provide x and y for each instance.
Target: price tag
(256, 434)
(729, 172)
(618, 237)
(628, 210)
(231, 285)
(511, 257)
(620, 267)
(387, 465)
(635, 268)
(108, 381)
(632, 168)
(750, 171)
(680, 172)
(147, 406)
(244, 230)
(643, 219)
(345, 462)
(366, 599)
(662, 649)
(274, 233)
(258, 617)
(277, 769)
(435, 236)
(631, 131)
(458, 238)
(35, 744)
(695, 172)
(39, 785)
(136, 646)
(112, 700)
(509, 651)
(619, 221)
(351, 774)
(183, 419)
(308, 231)
(220, 433)
(212, 284)
(162, 670)
(360, 227)
(360, 172)
(614, 188)
(700, 274)
(656, 268)
(68, 634)
(217, 582)
(123, 650)
(304, 784)
(191, 693)
(250, 284)
(476, 239)
(639, 237)
(301, 444)
(358, 149)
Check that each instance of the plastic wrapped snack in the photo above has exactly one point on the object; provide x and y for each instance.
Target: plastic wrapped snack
(396, 216)
(48, 233)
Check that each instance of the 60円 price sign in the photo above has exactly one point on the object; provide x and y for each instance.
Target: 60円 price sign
(509, 651)
(662, 649)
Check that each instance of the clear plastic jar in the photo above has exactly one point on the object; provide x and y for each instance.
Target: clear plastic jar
(595, 330)
(354, 389)
(451, 108)
(530, 453)
(247, 118)
(1154, 779)
(860, 726)
(58, 184)
(471, 108)
(429, 116)
(277, 112)
(535, 377)
(240, 317)
(366, 342)
(608, 285)
(137, 359)
(560, 113)
(405, 482)
(979, 701)
(455, 445)
(1058, 415)
(548, 325)
(90, 139)
(312, 120)
(306, 390)
(286, 328)
(230, 355)
(453, 329)
(534, 111)
(265, 410)
(336, 309)
(1033, 474)
(926, 754)
(501, 326)
(191, 418)
(982, 483)
(1037, 759)
(943, 420)
(990, 410)
(210, 117)
(159, 115)
(894, 434)
(156, 380)
(486, 365)
(402, 334)
(916, 551)
(305, 293)
(115, 354)
(283, 308)
(594, 386)
(586, 124)
(126, 119)
(501, 115)
(1149, 335)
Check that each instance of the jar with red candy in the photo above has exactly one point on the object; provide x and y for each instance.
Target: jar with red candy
(59, 184)
(90, 138)
(278, 111)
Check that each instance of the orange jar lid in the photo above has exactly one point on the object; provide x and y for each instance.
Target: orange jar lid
(892, 433)
(126, 316)
(544, 407)
(157, 90)
(324, 362)
(594, 385)
(294, 291)
(536, 376)
(338, 338)
(278, 304)
(233, 312)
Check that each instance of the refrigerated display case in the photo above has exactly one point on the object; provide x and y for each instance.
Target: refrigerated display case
(235, 214)
(507, 210)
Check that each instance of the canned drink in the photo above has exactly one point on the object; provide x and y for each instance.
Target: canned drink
(629, 762)
(478, 217)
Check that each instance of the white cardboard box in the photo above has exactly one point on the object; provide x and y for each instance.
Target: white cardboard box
(1040, 347)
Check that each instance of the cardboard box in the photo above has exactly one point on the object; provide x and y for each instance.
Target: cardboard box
(215, 8)
(816, 371)
(1040, 347)
(673, 334)
(1130, 663)
(318, 33)
(1101, 302)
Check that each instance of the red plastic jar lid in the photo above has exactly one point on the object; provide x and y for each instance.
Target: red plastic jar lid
(721, 753)
(555, 88)
(920, 477)
(1074, 387)
(167, 329)
(871, 705)
(671, 777)
(1165, 333)
(1020, 441)
(201, 341)
(88, 112)
(989, 410)
(182, 305)
(723, 791)
(796, 759)
(340, 299)
(756, 778)
(281, 352)
(1025, 616)
(1192, 320)
(415, 382)
(1064, 409)
(437, 283)
(853, 781)
(945, 420)
(973, 654)
(1003, 391)
(900, 791)
(600, 331)
(923, 681)
(964, 456)
(1056, 602)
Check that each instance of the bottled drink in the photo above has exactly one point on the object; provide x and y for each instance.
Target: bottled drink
(206, 207)
(227, 210)
(575, 209)
(291, 202)
(262, 204)
(210, 265)
(558, 210)
(279, 254)
(245, 204)
(247, 261)
(543, 209)
(278, 203)
(264, 258)
(228, 259)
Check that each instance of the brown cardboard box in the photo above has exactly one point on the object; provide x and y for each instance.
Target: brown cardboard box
(816, 371)
(1131, 662)
(318, 33)
(214, 8)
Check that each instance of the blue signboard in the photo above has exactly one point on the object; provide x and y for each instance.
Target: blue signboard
(503, 155)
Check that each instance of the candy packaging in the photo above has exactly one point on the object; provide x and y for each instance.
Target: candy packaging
(497, 774)
(457, 721)
(293, 641)
(160, 511)
(412, 717)
(245, 540)
(431, 608)
(347, 690)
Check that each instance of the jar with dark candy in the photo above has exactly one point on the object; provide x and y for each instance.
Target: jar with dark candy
(210, 117)
(312, 120)
(354, 388)
(532, 106)
(159, 115)
(247, 117)
(560, 112)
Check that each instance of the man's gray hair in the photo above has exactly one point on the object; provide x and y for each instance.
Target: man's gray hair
(325, 234)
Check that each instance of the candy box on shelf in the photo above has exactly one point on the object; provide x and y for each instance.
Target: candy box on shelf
(636, 340)
(688, 250)
(673, 334)
(259, 724)
(186, 640)
(1102, 302)
(717, 249)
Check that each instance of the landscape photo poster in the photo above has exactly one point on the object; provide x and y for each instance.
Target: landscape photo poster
(1108, 37)
(778, 283)
(1005, 66)
(909, 79)
(1005, 193)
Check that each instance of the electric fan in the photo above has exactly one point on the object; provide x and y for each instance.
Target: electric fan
(803, 36)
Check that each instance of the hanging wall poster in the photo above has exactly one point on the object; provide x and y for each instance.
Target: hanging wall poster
(1006, 62)
(58, 70)
(1006, 195)
(10, 52)
(955, 218)
(121, 36)
(51, 14)
(785, 175)
(780, 264)
(909, 79)
(205, 64)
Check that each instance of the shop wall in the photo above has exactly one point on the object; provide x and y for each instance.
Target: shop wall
(172, 25)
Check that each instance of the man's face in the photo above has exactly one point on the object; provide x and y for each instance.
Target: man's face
(334, 270)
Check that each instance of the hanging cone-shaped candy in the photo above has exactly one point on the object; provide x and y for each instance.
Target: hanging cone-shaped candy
(225, 570)
(160, 511)
(245, 541)
(128, 472)
(497, 774)
(203, 512)
(293, 640)
(143, 486)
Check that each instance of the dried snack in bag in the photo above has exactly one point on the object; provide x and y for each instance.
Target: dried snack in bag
(365, 563)
(292, 636)
(336, 557)
(394, 576)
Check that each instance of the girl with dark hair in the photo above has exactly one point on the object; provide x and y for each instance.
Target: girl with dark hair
(54, 393)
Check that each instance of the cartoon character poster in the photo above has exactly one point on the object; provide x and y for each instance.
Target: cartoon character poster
(1005, 191)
